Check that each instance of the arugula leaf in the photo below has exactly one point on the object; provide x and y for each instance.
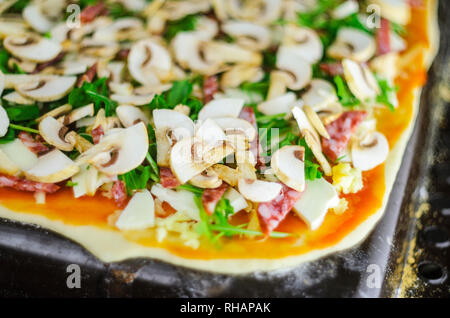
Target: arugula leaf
(346, 98)
(179, 93)
(187, 23)
(288, 140)
(22, 112)
(311, 169)
(18, 6)
(260, 88)
(4, 57)
(71, 184)
(10, 136)
(136, 179)
(385, 91)
(95, 92)
(190, 188)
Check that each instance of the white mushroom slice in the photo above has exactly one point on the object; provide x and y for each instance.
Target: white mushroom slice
(237, 200)
(101, 49)
(278, 84)
(208, 179)
(303, 42)
(130, 115)
(60, 32)
(179, 9)
(188, 157)
(52, 167)
(278, 105)
(258, 190)
(385, 65)
(56, 112)
(79, 113)
(120, 151)
(16, 98)
(303, 122)
(360, 80)
(233, 126)
(181, 200)
(320, 94)
(139, 213)
(32, 48)
(299, 69)
(222, 52)
(4, 121)
(227, 174)
(398, 11)
(189, 52)
(12, 27)
(370, 152)
(314, 143)
(206, 28)
(209, 132)
(34, 17)
(54, 132)
(47, 88)
(19, 154)
(223, 107)
(11, 80)
(345, 9)
(170, 127)
(318, 197)
(136, 100)
(71, 68)
(249, 35)
(315, 121)
(288, 163)
(86, 181)
(148, 62)
(353, 44)
(239, 74)
(121, 29)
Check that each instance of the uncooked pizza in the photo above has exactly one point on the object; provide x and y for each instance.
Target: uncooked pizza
(224, 135)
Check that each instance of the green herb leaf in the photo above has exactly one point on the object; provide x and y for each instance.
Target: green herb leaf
(136, 179)
(188, 23)
(22, 113)
(346, 98)
(386, 90)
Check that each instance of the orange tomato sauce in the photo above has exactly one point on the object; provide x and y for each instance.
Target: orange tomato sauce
(61, 206)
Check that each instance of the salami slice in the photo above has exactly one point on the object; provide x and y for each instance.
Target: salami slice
(210, 87)
(340, 131)
(167, 178)
(119, 193)
(248, 114)
(270, 214)
(91, 12)
(382, 37)
(210, 197)
(27, 185)
(31, 143)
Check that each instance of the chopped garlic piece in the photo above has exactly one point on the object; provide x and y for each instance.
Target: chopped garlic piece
(347, 179)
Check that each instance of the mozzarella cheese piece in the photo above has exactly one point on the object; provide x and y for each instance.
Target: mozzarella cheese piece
(318, 197)
(19, 154)
(236, 199)
(181, 200)
(139, 214)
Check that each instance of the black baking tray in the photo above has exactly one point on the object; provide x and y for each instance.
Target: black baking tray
(407, 253)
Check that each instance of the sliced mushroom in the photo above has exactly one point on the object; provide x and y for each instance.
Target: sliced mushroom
(99, 49)
(370, 152)
(209, 132)
(239, 74)
(360, 80)
(121, 29)
(52, 167)
(353, 44)
(46, 88)
(398, 11)
(222, 52)
(79, 113)
(139, 213)
(227, 174)
(249, 35)
(189, 52)
(278, 105)
(278, 84)
(299, 69)
(149, 62)
(314, 144)
(170, 127)
(345, 9)
(38, 20)
(318, 197)
(315, 121)
(385, 65)
(208, 179)
(233, 126)
(258, 190)
(32, 47)
(4, 121)
(223, 107)
(289, 166)
(303, 121)
(136, 100)
(16, 98)
(81, 144)
(118, 152)
(86, 181)
(16, 157)
(54, 133)
(12, 26)
(319, 95)
(303, 42)
(56, 112)
(130, 115)
(188, 157)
